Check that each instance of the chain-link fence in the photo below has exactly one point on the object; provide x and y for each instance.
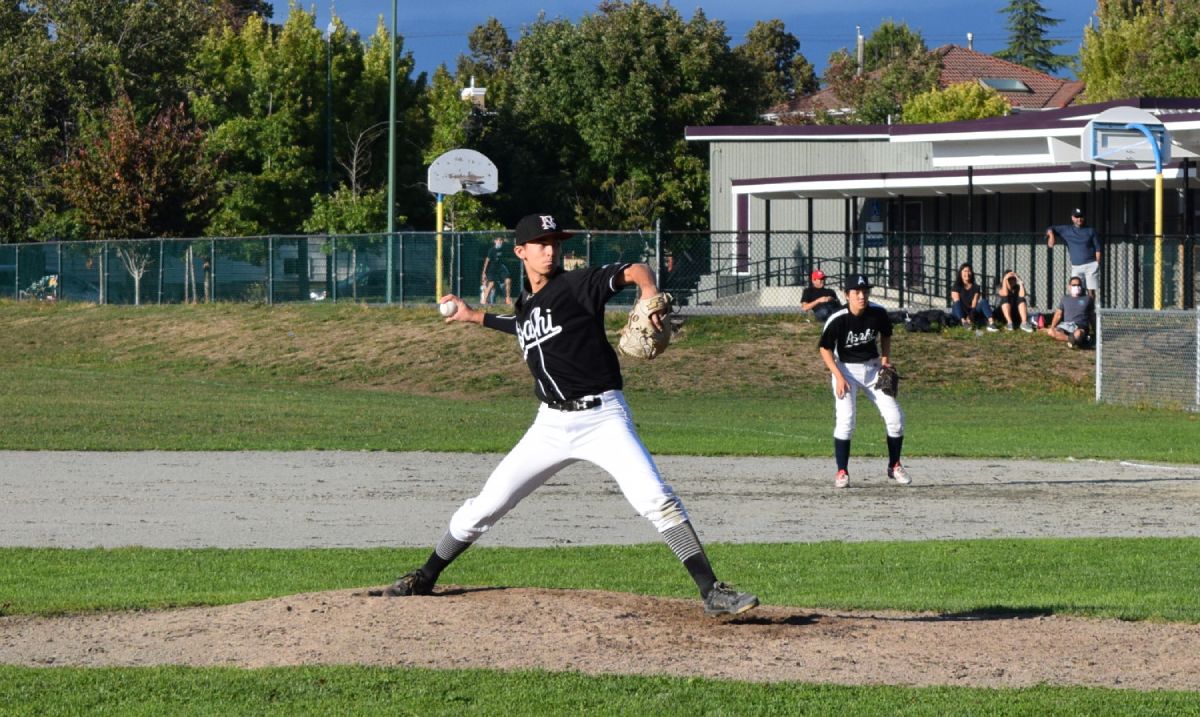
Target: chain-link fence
(1148, 357)
(706, 271)
(769, 270)
(364, 268)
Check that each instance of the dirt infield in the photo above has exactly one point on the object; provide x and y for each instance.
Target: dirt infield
(353, 499)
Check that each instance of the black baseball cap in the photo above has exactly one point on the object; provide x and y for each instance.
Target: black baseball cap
(1077, 213)
(858, 281)
(539, 227)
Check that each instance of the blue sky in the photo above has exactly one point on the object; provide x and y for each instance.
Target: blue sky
(436, 32)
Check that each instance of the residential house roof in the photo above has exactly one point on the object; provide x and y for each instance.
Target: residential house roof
(1024, 88)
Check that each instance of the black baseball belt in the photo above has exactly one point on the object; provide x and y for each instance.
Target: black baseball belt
(576, 404)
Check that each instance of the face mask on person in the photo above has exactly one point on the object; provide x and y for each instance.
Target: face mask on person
(1076, 289)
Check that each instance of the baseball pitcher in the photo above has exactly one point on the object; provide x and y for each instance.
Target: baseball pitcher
(559, 324)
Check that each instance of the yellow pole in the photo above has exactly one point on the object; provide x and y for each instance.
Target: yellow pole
(438, 271)
(1158, 241)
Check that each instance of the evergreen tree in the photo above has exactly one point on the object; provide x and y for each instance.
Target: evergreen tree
(1027, 41)
(772, 55)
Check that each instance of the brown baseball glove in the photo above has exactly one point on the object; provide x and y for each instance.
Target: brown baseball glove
(640, 339)
(888, 381)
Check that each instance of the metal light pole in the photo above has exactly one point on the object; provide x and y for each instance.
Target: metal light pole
(391, 193)
(329, 30)
(330, 268)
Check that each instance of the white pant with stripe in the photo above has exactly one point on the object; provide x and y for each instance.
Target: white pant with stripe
(604, 435)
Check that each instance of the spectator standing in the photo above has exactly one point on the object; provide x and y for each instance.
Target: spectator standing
(1083, 248)
(819, 299)
(495, 271)
(967, 302)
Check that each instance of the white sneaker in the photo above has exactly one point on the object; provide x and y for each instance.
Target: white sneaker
(842, 480)
(1027, 327)
(898, 474)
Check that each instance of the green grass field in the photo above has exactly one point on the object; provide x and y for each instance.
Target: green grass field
(232, 377)
(235, 377)
(1124, 578)
(325, 690)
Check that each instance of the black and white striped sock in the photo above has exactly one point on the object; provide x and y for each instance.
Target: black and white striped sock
(443, 554)
(685, 544)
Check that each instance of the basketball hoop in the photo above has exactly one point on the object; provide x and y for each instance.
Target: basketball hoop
(1130, 134)
(462, 170)
(1125, 134)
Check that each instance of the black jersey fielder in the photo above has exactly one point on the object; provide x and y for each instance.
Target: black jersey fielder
(559, 324)
(855, 343)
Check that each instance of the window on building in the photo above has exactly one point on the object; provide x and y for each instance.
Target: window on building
(1004, 84)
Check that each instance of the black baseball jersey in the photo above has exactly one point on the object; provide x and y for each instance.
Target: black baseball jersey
(561, 332)
(854, 339)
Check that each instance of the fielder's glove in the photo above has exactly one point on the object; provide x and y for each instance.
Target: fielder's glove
(640, 339)
(888, 381)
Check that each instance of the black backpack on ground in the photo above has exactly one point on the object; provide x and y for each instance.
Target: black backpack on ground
(930, 321)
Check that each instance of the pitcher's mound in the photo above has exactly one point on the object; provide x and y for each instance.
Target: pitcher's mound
(601, 632)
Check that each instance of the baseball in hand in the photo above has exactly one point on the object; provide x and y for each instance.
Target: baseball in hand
(448, 308)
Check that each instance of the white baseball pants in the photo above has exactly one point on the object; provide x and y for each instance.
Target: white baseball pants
(604, 435)
(861, 377)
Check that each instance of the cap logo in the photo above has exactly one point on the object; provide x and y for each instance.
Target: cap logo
(548, 222)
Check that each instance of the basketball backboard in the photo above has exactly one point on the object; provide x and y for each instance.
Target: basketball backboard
(462, 170)
(1125, 134)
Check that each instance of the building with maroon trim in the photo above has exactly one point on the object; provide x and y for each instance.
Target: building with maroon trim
(1014, 174)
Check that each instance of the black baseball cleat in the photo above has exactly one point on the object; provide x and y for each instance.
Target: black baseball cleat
(413, 583)
(723, 599)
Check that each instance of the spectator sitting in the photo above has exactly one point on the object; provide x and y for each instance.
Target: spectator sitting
(967, 302)
(1070, 322)
(818, 299)
(1013, 301)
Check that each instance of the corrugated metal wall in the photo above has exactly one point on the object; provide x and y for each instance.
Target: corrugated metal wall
(793, 158)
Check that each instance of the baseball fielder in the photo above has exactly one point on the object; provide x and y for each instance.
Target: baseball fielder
(855, 344)
(559, 324)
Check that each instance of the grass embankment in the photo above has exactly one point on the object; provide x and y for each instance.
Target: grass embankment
(234, 377)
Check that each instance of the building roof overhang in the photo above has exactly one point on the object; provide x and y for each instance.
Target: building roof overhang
(1057, 178)
(1025, 138)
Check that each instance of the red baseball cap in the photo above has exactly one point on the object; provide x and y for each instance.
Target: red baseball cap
(818, 274)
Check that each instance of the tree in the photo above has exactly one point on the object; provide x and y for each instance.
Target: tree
(1028, 45)
(126, 180)
(129, 180)
(235, 12)
(878, 96)
(261, 94)
(63, 61)
(136, 258)
(773, 55)
(603, 106)
(1142, 49)
(264, 95)
(962, 101)
(889, 43)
